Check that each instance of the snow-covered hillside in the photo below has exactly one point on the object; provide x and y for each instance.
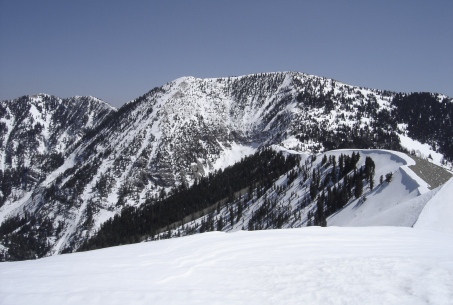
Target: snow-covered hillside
(373, 265)
(291, 203)
(397, 203)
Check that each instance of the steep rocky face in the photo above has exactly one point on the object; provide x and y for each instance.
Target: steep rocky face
(34, 126)
(36, 134)
(105, 160)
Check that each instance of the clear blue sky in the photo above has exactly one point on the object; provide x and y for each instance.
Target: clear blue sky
(118, 50)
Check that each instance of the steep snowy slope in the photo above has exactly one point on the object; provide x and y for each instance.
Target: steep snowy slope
(37, 133)
(397, 203)
(317, 189)
(374, 265)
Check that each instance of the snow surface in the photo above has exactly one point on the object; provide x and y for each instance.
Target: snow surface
(374, 265)
(431, 219)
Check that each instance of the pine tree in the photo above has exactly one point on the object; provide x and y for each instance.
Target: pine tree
(324, 160)
(239, 213)
(220, 224)
(369, 168)
(231, 217)
(358, 191)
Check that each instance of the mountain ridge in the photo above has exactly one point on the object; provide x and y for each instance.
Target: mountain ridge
(177, 133)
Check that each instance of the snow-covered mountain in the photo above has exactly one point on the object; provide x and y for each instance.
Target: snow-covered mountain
(100, 160)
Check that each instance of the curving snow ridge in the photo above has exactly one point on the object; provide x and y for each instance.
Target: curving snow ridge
(398, 203)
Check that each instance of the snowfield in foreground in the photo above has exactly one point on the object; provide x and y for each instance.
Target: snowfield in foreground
(333, 265)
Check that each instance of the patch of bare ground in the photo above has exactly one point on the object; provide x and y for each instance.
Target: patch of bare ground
(433, 174)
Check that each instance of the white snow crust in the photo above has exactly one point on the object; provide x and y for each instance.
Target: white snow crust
(438, 212)
(373, 265)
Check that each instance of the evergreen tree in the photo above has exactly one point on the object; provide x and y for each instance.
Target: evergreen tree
(369, 168)
(358, 191)
(232, 216)
(220, 224)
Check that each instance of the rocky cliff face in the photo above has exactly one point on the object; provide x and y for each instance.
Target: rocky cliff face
(36, 134)
(34, 126)
(82, 161)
